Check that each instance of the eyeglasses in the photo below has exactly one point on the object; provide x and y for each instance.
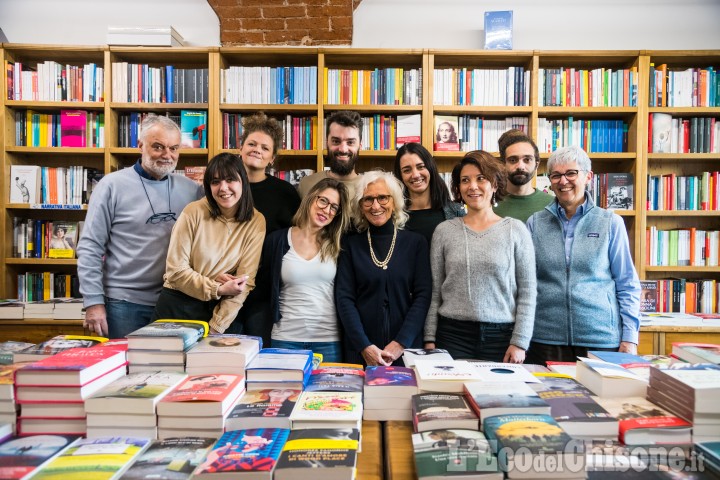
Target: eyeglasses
(570, 175)
(381, 199)
(323, 203)
(156, 218)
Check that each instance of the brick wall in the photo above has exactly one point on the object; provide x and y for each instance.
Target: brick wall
(285, 22)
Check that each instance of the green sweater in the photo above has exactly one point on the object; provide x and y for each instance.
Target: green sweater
(522, 206)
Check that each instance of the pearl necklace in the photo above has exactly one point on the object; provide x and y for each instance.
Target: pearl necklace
(385, 262)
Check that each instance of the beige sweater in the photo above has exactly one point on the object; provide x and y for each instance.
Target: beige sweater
(201, 248)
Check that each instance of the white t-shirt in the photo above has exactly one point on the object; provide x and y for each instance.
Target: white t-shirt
(307, 302)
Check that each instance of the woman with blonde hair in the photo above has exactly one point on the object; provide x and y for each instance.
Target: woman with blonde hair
(383, 286)
(298, 270)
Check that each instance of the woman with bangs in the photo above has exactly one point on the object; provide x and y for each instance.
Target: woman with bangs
(298, 271)
(214, 250)
(483, 272)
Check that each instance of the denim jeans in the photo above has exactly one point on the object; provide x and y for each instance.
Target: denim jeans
(331, 351)
(124, 317)
(474, 340)
(539, 353)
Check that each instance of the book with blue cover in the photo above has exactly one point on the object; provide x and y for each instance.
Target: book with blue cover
(280, 364)
(498, 30)
(193, 124)
(249, 451)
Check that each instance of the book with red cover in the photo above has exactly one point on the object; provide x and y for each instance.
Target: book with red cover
(77, 366)
(73, 128)
(203, 396)
(55, 345)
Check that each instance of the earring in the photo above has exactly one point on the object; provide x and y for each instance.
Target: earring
(493, 201)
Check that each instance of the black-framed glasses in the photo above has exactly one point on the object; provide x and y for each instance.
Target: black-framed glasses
(570, 175)
(162, 217)
(323, 203)
(381, 199)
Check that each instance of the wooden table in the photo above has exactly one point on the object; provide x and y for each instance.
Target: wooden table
(399, 459)
(39, 330)
(370, 460)
(662, 335)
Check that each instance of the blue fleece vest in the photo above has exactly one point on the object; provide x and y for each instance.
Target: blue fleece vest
(576, 302)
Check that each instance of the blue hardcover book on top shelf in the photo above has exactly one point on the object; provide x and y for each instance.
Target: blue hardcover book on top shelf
(498, 30)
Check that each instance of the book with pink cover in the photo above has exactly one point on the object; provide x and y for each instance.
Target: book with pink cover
(203, 396)
(77, 366)
(73, 128)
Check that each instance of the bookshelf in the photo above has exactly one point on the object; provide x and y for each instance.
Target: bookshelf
(529, 68)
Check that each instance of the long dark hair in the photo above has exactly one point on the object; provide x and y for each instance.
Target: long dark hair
(439, 195)
(228, 165)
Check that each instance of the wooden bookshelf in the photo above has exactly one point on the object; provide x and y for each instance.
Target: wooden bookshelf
(636, 159)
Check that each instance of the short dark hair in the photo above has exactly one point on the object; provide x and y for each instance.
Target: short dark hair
(267, 125)
(228, 165)
(512, 140)
(345, 118)
(439, 195)
(488, 166)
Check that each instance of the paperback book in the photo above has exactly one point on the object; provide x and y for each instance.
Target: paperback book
(137, 393)
(202, 396)
(454, 453)
(20, 456)
(170, 459)
(320, 453)
(253, 452)
(279, 364)
(73, 128)
(644, 423)
(336, 379)
(499, 30)
(263, 408)
(328, 410)
(168, 334)
(226, 352)
(501, 398)
(412, 355)
(56, 345)
(25, 184)
(193, 125)
(442, 410)
(389, 382)
(77, 366)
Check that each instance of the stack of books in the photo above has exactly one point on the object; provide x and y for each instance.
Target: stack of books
(388, 393)
(444, 376)
(431, 411)
(12, 310)
(162, 344)
(412, 355)
(68, 309)
(199, 405)
(448, 453)
(128, 405)
(8, 406)
(607, 379)
(222, 354)
(336, 378)
(52, 391)
(170, 459)
(690, 391)
(488, 399)
(327, 410)
(643, 423)
(318, 454)
(279, 368)
(269, 408)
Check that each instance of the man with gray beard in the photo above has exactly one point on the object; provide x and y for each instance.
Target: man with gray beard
(124, 243)
(343, 142)
(521, 158)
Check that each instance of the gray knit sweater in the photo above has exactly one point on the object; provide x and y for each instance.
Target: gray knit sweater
(484, 276)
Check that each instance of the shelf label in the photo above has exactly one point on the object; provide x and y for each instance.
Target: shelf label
(52, 206)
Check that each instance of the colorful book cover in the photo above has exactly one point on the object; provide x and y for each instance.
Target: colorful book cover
(450, 452)
(390, 376)
(618, 358)
(19, 456)
(328, 407)
(636, 414)
(494, 398)
(168, 334)
(209, 388)
(76, 366)
(254, 450)
(260, 407)
(170, 459)
(8, 349)
(326, 448)
(408, 129)
(428, 407)
(56, 345)
(697, 352)
(499, 30)
(25, 184)
(534, 433)
(63, 242)
(336, 379)
(195, 173)
(134, 393)
(193, 124)
(648, 295)
(96, 458)
(620, 191)
(280, 364)
(73, 128)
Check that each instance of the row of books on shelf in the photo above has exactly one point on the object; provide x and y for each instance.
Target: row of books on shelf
(300, 131)
(50, 81)
(58, 308)
(599, 87)
(679, 192)
(45, 238)
(269, 85)
(593, 136)
(698, 297)
(682, 247)
(471, 132)
(381, 86)
(691, 87)
(481, 87)
(69, 128)
(668, 134)
(192, 123)
(293, 177)
(64, 186)
(47, 286)
(614, 191)
(142, 83)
